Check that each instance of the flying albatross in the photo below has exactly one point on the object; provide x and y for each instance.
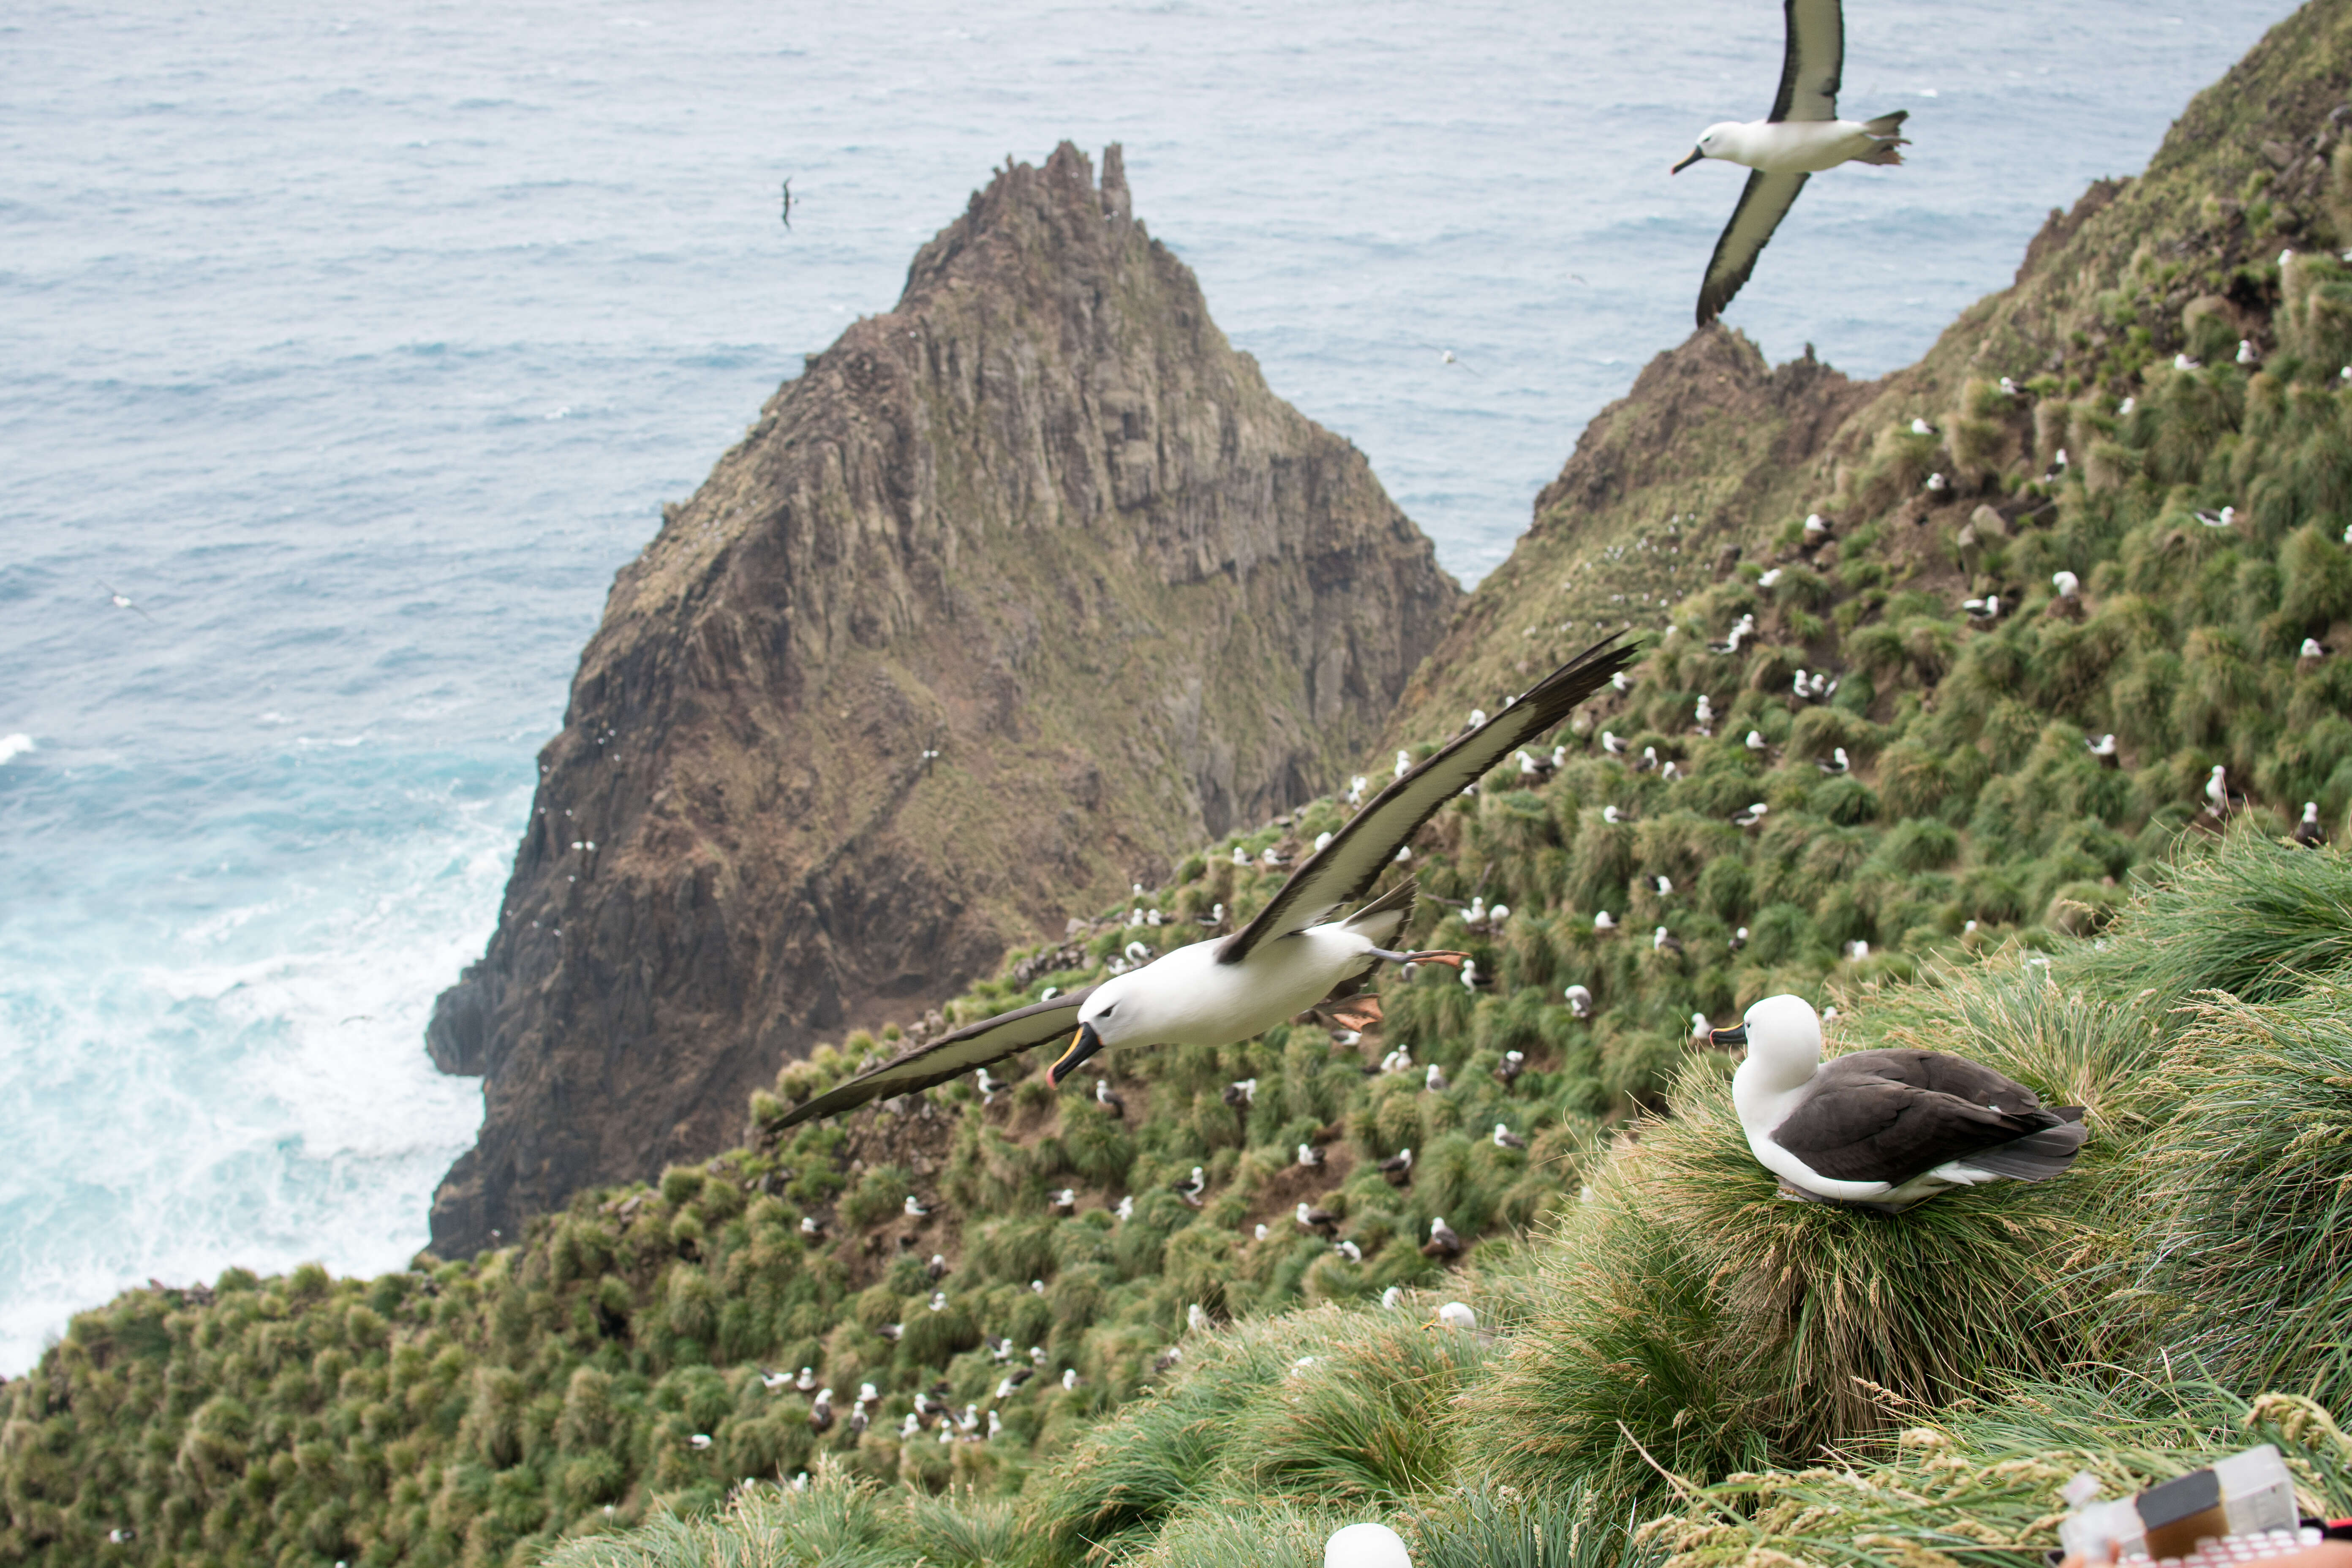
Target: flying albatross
(1800, 137)
(1884, 1130)
(1285, 961)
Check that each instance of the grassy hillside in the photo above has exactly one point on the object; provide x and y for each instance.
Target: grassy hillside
(1976, 878)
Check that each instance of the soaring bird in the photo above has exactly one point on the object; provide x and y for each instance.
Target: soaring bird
(1884, 1130)
(1800, 137)
(1286, 958)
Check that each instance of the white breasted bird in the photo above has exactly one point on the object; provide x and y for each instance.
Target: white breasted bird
(1887, 1129)
(1290, 956)
(1799, 138)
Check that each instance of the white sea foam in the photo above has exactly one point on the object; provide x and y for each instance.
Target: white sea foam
(245, 1084)
(14, 746)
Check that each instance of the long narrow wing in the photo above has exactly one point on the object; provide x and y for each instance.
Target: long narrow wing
(1814, 60)
(1345, 869)
(1762, 205)
(950, 1055)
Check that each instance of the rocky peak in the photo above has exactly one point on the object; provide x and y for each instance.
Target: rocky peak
(1018, 591)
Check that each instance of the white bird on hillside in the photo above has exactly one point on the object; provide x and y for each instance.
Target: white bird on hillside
(2067, 583)
(1434, 1081)
(1367, 1545)
(1504, 1138)
(912, 1209)
(1622, 681)
(1604, 922)
(808, 1381)
(2246, 354)
(1883, 1130)
(1755, 742)
(1770, 580)
(1835, 762)
(1356, 789)
(1289, 957)
(2217, 790)
(1612, 816)
(1070, 1379)
(1390, 1297)
(1938, 484)
(1920, 426)
(1664, 885)
(1456, 1315)
(1800, 137)
(1580, 1001)
(1310, 1157)
(1700, 1029)
(1752, 815)
(2183, 361)
(1664, 940)
(1611, 744)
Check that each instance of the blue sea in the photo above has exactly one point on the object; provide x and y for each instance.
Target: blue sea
(356, 348)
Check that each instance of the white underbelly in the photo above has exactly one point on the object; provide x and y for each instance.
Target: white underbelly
(1804, 147)
(1230, 1002)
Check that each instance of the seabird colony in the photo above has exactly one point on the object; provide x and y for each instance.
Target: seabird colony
(1285, 961)
(1800, 137)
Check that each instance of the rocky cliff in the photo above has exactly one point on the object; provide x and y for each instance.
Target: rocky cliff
(1018, 591)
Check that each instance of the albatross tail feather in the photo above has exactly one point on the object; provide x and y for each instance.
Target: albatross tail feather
(1387, 913)
(2037, 1156)
(1887, 124)
(1885, 152)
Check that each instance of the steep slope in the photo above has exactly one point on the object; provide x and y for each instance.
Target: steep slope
(1019, 590)
(1712, 453)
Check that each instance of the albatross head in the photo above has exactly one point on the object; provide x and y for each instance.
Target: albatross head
(1783, 1036)
(1712, 143)
(1112, 1015)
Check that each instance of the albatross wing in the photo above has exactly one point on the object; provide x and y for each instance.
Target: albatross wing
(1762, 204)
(950, 1055)
(1345, 869)
(1814, 60)
(1888, 1115)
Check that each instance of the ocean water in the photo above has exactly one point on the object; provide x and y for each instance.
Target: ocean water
(357, 347)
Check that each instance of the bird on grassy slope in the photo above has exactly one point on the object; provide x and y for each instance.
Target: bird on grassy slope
(1289, 957)
(1884, 1130)
(1800, 137)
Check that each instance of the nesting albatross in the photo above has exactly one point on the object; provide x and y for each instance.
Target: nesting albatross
(1884, 1130)
(1286, 959)
(1800, 137)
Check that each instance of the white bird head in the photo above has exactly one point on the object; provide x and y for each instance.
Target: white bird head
(1125, 1009)
(1783, 1036)
(1455, 1314)
(1724, 138)
(1366, 1546)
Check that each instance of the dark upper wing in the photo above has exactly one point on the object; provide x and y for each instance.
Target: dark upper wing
(951, 1056)
(1814, 60)
(1345, 869)
(1861, 1125)
(1947, 1073)
(1762, 204)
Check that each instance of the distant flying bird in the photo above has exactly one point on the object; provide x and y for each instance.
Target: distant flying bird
(122, 601)
(1800, 137)
(1290, 955)
(789, 198)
